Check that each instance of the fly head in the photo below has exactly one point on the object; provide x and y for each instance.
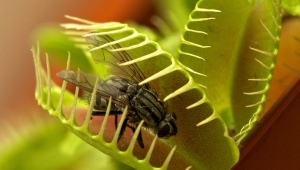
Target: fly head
(167, 127)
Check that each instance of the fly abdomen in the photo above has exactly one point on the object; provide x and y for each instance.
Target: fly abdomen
(147, 106)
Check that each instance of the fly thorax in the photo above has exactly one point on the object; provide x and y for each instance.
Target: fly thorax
(147, 106)
(132, 90)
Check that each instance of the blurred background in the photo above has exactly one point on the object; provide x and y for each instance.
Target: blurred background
(19, 21)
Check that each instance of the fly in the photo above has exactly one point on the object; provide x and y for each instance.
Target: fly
(142, 102)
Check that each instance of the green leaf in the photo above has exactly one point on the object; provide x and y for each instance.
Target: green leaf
(176, 11)
(58, 45)
(291, 6)
(230, 48)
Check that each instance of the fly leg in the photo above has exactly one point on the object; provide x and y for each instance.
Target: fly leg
(102, 113)
(116, 120)
(139, 138)
(123, 127)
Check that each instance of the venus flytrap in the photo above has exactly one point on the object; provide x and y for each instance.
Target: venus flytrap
(153, 54)
(185, 88)
(83, 130)
(218, 79)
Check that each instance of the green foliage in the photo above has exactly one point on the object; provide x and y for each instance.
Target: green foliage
(56, 43)
(48, 145)
(291, 6)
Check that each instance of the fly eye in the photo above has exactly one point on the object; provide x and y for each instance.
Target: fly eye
(163, 131)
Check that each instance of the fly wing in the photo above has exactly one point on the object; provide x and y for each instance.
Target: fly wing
(87, 82)
(112, 58)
